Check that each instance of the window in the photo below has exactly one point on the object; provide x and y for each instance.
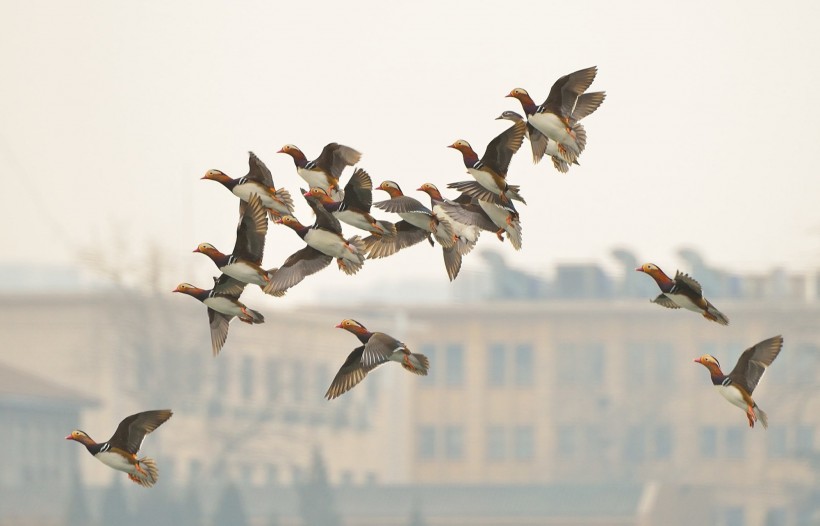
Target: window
(222, 380)
(636, 358)
(272, 474)
(496, 365)
(524, 370)
(426, 446)
(707, 442)
(566, 441)
(453, 442)
(663, 442)
(246, 377)
(593, 359)
(496, 443)
(455, 364)
(665, 369)
(803, 364)
(735, 444)
(776, 517)
(804, 440)
(734, 517)
(776, 442)
(565, 364)
(430, 352)
(273, 379)
(297, 382)
(635, 447)
(524, 440)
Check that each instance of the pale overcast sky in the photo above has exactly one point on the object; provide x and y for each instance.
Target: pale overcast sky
(112, 111)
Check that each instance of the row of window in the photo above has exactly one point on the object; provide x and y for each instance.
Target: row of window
(507, 365)
(279, 379)
(500, 443)
(513, 365)
(639, 444)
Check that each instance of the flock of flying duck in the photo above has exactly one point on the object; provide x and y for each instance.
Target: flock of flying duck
(483, 204)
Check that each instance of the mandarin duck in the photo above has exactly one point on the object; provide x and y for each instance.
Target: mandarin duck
(324, 242)
(466, 234)
(542, 145)
(558, 116)
(377, 348)
(120, 451)
(354, 209)
(490, 172)
(223, 304)
(487, 216)
(324, 171)
(683, 291)
(258, 181)
(737, 386)
(417, 224)
(244, 263)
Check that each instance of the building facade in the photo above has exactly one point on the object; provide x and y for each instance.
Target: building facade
(540, 393)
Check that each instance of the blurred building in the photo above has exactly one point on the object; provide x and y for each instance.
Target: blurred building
(592, 389)
(35, 414)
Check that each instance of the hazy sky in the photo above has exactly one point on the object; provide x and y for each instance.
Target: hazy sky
(112, 111)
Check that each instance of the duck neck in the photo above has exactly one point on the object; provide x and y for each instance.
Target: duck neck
(716, 374)
(299, 159)
(527, 104)
(470, 157)
(664, 282)
(364, 336)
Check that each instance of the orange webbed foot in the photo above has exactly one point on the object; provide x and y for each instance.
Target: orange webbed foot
(750, 414)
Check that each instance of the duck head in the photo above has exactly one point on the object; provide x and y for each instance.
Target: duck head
(470, 157)
(711, 363)
(187, 288)
(216, 175)
(391, 187)
(653, 270)
(298, 157)
(431, 190)
(80, 436)
(510, 116)
(319, 194)
(352, 326)
(290, 221)
(207, 249)
(524, 98)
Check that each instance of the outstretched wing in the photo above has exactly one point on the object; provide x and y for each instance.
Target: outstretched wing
(403, 204)
(359, 191)
(499, 152)
(754, 361)
(324, 219)
(335, 157)
(132, 429)
(251, 232)
(379, 348)
(219, 324)
(297, 267)
(406, 235)
(350, 373)
(665, 301)
(257, 171)
(470, 214)
(685, 281)
(566, 90)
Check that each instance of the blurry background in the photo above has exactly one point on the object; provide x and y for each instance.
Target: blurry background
(557, 394)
